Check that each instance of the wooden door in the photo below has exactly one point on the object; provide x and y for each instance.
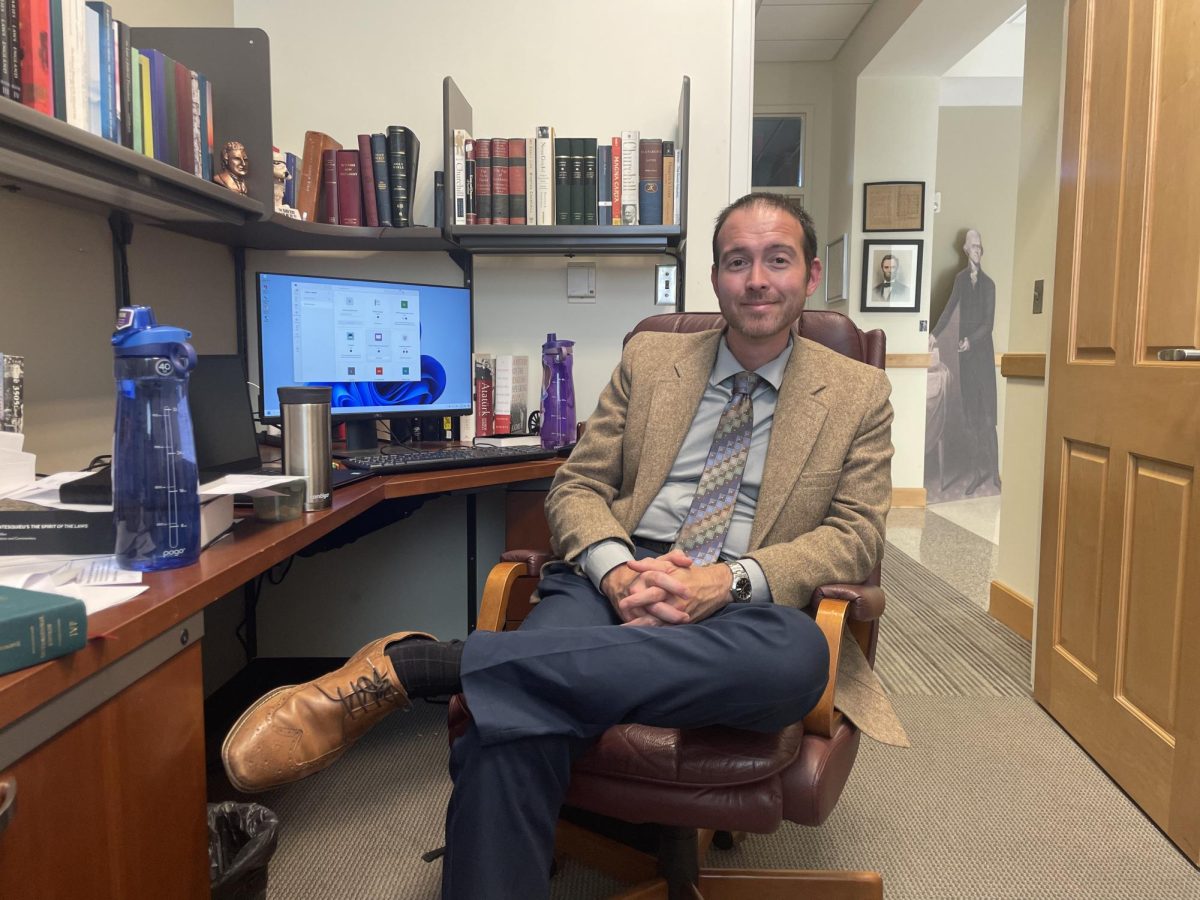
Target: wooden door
(1118, 639)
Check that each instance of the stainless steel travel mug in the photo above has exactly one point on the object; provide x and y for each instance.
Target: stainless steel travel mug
(307, 446)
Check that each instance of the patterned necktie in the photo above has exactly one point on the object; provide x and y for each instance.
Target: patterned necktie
(707, 521)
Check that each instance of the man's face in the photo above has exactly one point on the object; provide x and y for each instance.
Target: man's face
(237, 160)
(973, 248)
(889, 268)
(761, 278)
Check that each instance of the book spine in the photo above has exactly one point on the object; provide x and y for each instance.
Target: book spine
(58, 69)
(616, 181)
(82, 65)
(544, 150)
(471, 149)
(171, 120)
(397, 174)
(203, 148)
(530, 181)
(588, 207)
(517, 212)
(366, 178)
(33, 34)
(576, 181)
(439, 198)
(604, 184)
(460, 177)
(650, 208)
(308, 190)
(197, 168)
(379, 174)
(34, 633)
(209, 130)
(629, 177)
(668, 182)
(183, 117)
(125, 70)
(147, 108)
(95, 117)
(678, 185)
(108, 122)
(483, 181)
(6, 60)
(500, 181)
(12, 393)
(485, 394)
(137, 119)
(562, 181)
(349, 188)
(329, 187)
(412, 150)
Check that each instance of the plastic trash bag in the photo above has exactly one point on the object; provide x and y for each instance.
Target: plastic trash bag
(241, 841)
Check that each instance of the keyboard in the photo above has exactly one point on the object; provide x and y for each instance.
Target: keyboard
(404, 459)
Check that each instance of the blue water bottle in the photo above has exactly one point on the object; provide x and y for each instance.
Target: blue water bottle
(558, 393)
(156, 502)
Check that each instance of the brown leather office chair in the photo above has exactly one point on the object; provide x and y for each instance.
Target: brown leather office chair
(699, 783)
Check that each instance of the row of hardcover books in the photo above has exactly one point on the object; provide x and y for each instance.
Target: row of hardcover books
(367, 186)
(548, 180)
(72, 60)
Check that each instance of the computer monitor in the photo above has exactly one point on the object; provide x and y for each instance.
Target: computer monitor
(386, 348)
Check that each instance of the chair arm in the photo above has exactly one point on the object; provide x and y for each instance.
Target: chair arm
(533, 559)
(866, 600)
(831, 616)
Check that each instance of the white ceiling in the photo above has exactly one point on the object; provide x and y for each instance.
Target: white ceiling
(804, 30)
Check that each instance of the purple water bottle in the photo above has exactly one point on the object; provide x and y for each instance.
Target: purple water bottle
(558, 393)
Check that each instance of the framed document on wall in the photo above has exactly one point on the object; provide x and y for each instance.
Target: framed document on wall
(837, 271)
(894, 206)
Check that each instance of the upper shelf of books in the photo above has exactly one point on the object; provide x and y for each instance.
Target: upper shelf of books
(50, 158)
(546, 193)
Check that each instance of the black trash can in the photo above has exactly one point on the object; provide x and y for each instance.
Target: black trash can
(241, 841)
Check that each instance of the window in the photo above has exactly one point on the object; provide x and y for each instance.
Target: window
(778, 152)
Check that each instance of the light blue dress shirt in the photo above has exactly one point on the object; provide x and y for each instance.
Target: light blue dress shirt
(666, 513)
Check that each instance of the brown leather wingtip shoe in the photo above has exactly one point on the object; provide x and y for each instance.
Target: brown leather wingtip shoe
(297, 730)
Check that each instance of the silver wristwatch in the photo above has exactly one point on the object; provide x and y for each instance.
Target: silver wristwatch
(740, 588)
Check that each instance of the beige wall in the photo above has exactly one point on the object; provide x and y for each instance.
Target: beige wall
(1036, 232)
(785, 88)
(173, 13)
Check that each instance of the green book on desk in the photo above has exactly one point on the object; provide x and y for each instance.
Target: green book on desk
(35, 627)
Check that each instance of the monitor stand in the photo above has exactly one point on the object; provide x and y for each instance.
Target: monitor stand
(361, 436)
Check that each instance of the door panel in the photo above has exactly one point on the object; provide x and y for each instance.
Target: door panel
(1118, 627)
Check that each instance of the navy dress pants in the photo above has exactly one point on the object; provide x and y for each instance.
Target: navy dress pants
(540, 697)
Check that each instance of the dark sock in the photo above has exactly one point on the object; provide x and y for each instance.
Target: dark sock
(427, 668)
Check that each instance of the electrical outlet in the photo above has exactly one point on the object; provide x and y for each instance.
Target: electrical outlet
(665, 278)
(1038, 287)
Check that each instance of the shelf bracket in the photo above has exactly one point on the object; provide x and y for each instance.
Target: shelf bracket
(239, 301)
(463, 260)
(121, 227)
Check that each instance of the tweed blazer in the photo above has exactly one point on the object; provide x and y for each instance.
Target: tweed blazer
(826, 484)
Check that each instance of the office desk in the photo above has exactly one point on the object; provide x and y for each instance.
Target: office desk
(107, 744)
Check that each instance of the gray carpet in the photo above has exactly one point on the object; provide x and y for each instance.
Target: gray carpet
(992, 801)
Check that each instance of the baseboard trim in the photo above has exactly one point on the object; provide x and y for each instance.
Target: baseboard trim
(908, 498)
(1011, 609)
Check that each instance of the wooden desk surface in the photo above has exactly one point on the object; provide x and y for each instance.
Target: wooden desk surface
(252, 549)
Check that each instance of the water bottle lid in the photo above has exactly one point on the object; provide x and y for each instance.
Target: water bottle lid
(139, 334)
(305, 394)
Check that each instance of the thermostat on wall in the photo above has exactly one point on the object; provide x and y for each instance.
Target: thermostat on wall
(665, 277)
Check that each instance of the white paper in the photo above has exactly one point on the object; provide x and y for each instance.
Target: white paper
(236, 483)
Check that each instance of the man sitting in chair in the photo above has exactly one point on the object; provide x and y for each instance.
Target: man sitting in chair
(687, 557)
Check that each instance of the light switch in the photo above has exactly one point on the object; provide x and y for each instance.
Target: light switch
(581, 282)
(665, 278)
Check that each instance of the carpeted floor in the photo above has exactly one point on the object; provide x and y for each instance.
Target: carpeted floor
(992, 801)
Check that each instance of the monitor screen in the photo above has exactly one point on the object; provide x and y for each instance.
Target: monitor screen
(385, 348)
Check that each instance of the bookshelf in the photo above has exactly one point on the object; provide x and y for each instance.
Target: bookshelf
(559, 239)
